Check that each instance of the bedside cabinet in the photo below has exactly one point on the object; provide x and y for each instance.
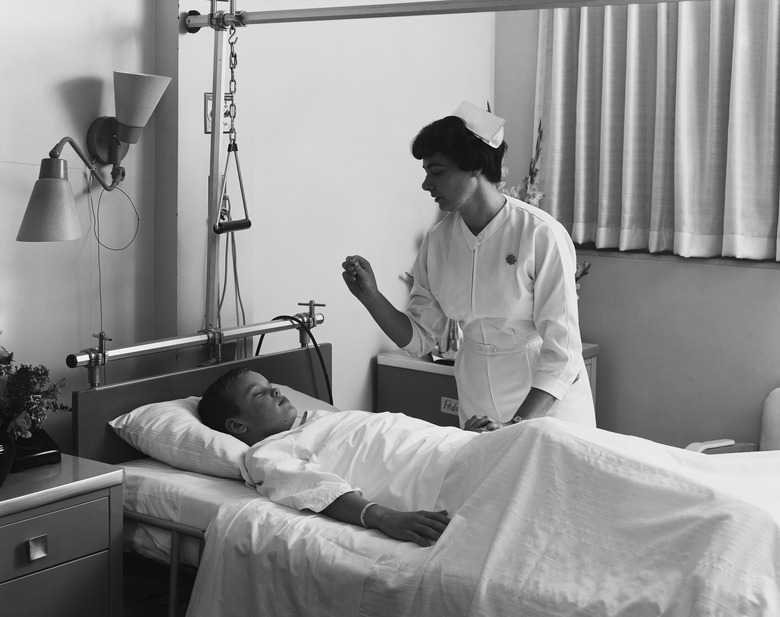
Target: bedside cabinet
(424, 389)
(61, 540)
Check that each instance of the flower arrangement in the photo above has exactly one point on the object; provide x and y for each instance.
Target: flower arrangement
(528, 190)
(583, 268)
(26, 396)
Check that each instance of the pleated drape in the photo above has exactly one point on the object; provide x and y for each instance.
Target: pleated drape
(660, 126)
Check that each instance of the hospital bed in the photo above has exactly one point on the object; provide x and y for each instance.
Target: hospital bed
(565, 521)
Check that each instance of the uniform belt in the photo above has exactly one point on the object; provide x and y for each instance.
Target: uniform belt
(488, 349)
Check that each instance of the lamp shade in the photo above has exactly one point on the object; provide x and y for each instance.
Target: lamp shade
(51, 212)
(135, 97)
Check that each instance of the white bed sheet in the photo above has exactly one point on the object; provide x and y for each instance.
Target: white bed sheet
(157, 489)
(555, 520)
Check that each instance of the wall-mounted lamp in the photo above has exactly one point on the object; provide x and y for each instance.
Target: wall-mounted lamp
(51, 212)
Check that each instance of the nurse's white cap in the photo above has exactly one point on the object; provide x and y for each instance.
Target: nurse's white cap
(485, 125)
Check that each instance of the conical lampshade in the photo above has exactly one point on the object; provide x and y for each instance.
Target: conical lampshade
(135, 97)
(51, 212)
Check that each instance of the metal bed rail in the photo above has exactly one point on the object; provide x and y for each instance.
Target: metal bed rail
(174, 567)
(95, 357)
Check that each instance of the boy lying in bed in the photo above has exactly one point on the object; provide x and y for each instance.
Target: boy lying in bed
(339, 463)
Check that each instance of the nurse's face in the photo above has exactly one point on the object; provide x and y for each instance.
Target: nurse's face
(451, 187)
(264, 411)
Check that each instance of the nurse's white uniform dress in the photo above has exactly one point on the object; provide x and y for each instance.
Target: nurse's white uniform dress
(512, 290)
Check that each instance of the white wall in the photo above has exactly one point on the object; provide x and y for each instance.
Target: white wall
(326, 115)
(57, 76)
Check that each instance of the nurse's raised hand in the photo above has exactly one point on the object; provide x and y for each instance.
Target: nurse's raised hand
(359, 277)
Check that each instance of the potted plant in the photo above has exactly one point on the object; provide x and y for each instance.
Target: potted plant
(26, 398)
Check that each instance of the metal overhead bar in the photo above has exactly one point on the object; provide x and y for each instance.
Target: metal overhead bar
(195, 21)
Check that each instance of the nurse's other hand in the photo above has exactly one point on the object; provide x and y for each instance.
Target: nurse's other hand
(359, 276)
(481, 424)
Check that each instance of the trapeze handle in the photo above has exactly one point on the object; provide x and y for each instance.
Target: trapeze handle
(224, 227)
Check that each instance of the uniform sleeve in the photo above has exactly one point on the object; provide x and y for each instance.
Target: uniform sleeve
(291, 476)
(424, 313)
(555, 310)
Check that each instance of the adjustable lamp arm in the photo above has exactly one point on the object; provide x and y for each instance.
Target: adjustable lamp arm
(117, 171)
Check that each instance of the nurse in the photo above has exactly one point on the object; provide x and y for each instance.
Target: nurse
(504, 270)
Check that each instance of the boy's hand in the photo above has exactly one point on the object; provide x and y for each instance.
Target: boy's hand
(481, 424)
(421, 527)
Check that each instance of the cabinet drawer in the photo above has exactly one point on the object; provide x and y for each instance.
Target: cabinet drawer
(53, 538)
(76, 589)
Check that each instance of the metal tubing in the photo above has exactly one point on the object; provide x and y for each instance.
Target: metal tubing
(212, 246)
(57, 150)
(403, 9)
(87, 357)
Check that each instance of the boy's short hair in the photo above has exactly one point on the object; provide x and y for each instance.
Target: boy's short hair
(218, 403)
(450, 137)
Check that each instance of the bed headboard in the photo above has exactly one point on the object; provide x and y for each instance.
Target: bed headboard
(92, 409)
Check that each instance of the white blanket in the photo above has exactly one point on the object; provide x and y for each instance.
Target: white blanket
(391, 458)
(552, 519)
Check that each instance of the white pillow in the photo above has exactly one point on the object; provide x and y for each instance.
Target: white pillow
(171, 432)
(303, 402)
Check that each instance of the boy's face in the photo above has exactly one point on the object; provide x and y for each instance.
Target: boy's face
(264, 411)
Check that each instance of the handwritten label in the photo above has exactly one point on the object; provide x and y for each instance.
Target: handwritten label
(449, 405)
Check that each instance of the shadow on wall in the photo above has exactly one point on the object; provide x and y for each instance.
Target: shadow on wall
(81, 99)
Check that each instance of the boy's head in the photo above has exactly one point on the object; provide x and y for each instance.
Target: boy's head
(244, 404)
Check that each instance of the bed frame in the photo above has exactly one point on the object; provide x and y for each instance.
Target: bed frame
(300, 369)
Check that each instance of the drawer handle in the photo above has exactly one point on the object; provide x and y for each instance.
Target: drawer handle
(38, 547)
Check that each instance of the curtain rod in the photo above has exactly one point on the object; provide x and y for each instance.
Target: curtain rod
(195, 21)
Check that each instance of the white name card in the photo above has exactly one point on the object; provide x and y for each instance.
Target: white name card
(449, 405)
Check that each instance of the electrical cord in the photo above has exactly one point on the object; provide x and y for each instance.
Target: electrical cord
(306, 328)
(95, 211)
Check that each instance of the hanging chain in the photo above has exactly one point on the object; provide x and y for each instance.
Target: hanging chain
(224, 222)
(232, 39)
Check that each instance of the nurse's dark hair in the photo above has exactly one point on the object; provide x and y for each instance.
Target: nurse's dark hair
(218, 404)
(450, 137)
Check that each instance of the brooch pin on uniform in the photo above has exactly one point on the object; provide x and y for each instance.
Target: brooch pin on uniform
(511, 259)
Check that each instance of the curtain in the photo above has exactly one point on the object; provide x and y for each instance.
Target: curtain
(660, 126)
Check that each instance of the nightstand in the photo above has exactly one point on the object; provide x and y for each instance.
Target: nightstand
(61, 539)
(424, 389)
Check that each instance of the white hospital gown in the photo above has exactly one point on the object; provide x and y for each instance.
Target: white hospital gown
(512, 290)
(392, 459)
